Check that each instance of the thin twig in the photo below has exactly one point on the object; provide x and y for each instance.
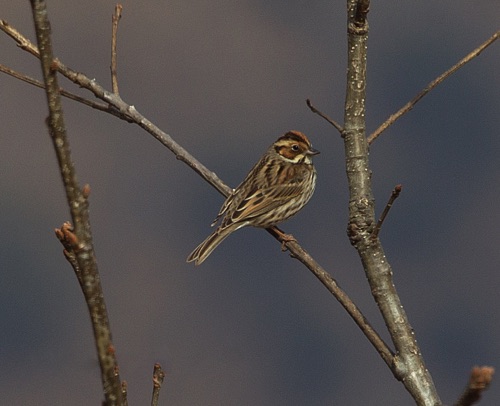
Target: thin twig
(408, 106)
(26, 45)
(115, 20)
(479, 380)
(69, 95)
(131, 112)
(158, 376)
(319, 113)
(80, 244)
(394, 195)
(22, 41)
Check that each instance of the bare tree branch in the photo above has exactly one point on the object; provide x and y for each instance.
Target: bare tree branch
(115, 20)
(124, 393)
(328, 282)
(22, 41)
(394, 195)
(322, 115)
(479, 381)
(69, 95)
(31, 48)
(408, 106)
(132, 115)
(408, 365)
(78, 245)
(158, 376)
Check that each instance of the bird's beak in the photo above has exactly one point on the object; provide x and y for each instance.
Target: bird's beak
(312, 151)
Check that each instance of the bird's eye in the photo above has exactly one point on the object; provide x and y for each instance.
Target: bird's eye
(295, 147)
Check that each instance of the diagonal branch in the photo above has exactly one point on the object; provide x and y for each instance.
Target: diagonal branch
(408, 106)
(295, 249)
(331, 284)
(132, 115)
(394, 195)
(65, 93)
(22, 42)
(337, 126)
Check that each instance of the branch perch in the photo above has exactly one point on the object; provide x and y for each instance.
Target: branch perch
(128, 112)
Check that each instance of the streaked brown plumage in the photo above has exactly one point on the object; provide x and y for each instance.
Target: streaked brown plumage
(276, 188)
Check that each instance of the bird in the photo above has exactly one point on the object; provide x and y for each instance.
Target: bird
(276, 188)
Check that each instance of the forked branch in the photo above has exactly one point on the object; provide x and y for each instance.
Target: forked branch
(408, 365)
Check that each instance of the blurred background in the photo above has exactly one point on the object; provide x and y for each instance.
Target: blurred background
(251, 326)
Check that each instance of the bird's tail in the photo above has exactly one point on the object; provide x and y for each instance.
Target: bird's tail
(202, 251)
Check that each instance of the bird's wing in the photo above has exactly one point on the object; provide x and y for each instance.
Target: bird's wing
(224, 207)
(260, 201)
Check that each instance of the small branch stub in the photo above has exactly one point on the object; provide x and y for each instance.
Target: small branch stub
(394, 195)
(362, 9)
(124, 393)
(158, 376)
(479, 381)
